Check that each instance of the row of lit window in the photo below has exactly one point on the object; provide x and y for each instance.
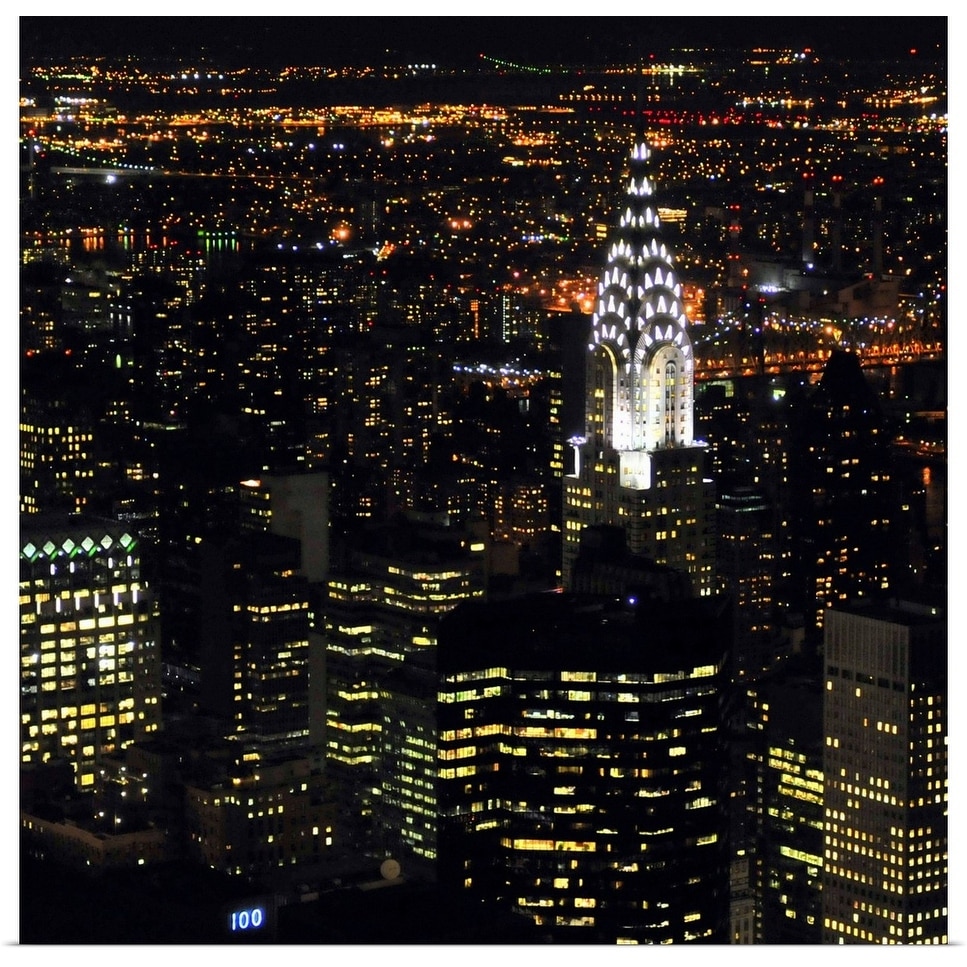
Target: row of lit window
(29, 749)
(547, 845)
(869, 936)
(86, 724)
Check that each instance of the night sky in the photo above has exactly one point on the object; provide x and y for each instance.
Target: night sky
(459, 41)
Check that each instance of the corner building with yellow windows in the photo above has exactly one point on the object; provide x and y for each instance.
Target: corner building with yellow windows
(90, 666)
(885, 768)
(638, 465)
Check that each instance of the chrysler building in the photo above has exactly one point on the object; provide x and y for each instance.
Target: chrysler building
(638, 465)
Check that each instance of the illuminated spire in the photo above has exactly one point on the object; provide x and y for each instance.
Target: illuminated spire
(639, 291)
(639, 322)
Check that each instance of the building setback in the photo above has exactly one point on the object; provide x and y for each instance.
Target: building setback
(581, 774)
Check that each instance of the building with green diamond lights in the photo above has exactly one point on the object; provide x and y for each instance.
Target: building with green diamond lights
(90, 669)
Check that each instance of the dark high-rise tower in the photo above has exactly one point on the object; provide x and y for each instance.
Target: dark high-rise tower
(787, 839)
(255, 653)
(846, 509)
(638, 465)
(581, 771)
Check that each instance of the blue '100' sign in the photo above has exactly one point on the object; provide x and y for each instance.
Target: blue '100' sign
(246, 919)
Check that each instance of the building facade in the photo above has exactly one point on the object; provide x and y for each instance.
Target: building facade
(255, 822)
(847, 523)
(787, 835)
(292, 505)
(90, 667)
(381, 619)
(885, 767)
(746, 565)
(257, 649)
(57, 461)
(581, 776)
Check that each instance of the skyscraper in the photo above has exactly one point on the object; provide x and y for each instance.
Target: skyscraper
(581, 773)
(90, 668)
(746, 566)
(787, 838)
(256, 652)
(846, 516)
(380, 622)
(885, 769)
(638, 465)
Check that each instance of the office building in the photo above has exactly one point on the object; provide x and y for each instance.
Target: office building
(581, 770)
(261, 821)
(406, 768)
(885, 767)
(256, 652)
(90, 669)
(785, 841)
(57, 461)
(746, 565)
(845, 513)
(381, 619)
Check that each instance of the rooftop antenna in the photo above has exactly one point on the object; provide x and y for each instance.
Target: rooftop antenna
(639, 98)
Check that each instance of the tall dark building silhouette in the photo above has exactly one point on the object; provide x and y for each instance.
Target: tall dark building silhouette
(788, 829)
(746, 566)
(581, 775)
(845, 511)
(255, 655)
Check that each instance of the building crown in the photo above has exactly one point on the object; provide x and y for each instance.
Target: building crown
(639, 294)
